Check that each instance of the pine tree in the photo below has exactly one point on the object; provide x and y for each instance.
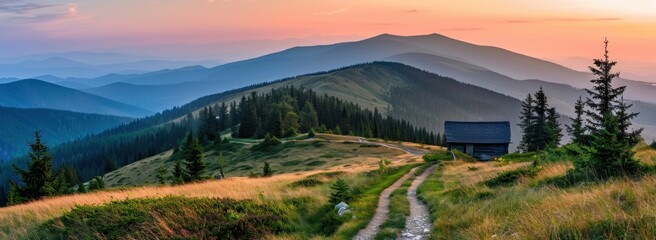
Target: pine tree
(340, 192)
(554, 131)
(577, 129)
(309, 118)
(266, 170)
(161, 174)
(223, 117)
(609, 122)
(526, 124)
(97, 183)
(603, 95)
(178, 173)
(81, 188)
(38, 178)
(13, 196)
(221, 163)
(195, 164)
(612, 156)
(290, 124)
(540, 129)
(274, 123)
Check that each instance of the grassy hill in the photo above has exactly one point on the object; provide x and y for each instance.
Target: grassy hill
(18, 126)
(293, 156)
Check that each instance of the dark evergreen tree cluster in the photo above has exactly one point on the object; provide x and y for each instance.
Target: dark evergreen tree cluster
(39, 180)
(539, 124)
(286, 111)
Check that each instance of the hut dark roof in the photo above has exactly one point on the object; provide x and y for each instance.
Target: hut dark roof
(477, 132)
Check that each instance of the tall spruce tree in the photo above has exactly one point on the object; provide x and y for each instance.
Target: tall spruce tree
(577, 129)
(609, 122)
(38, 177)
(222, 124)
(526, 124)
(554, 131)
(195, 164)
(539, 123)
(309, 118)
(541, 130)
(178, 173)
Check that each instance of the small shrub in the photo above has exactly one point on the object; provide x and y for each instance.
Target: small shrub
(341, 192)
(312, 134)
(438, 156)
(510, 177)
(268, 143)
(266, 170)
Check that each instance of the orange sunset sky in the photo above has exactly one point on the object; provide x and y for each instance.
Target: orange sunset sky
(551, 29)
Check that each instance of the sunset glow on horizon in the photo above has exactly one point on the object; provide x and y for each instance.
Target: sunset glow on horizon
(550, 29)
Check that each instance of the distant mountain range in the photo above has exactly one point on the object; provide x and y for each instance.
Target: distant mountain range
(493, 68)
(67, 68)
(18, 126)
(39, 94)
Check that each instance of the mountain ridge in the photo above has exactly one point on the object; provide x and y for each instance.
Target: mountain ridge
(33, 93)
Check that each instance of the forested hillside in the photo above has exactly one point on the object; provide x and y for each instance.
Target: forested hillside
(393, 89)
(422, 98)
(18, 126)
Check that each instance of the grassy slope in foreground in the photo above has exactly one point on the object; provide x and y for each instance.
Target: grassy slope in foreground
(22, 219)
(290, 216)
(464, 208)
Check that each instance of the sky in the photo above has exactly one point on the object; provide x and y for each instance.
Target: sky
(567, 31)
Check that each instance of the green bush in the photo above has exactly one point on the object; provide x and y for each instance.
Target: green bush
(510, 177)
(268, 143)
(438, 156)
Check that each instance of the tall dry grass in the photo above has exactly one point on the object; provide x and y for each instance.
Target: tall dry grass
(17, 220)
(465, 209)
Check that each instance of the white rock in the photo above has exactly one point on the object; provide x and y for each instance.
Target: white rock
(408, 235)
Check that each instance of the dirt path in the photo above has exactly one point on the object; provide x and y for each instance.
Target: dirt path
(418, 224)
(382, 210)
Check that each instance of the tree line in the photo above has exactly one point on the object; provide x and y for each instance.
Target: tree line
(288, 111)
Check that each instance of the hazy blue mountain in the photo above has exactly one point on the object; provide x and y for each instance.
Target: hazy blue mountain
(39, 94)
(155, 98)
(66, 68)
(304, 60)
(18, 126)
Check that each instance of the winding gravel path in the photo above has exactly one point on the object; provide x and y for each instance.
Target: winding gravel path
(418, 224)
(382, 210)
